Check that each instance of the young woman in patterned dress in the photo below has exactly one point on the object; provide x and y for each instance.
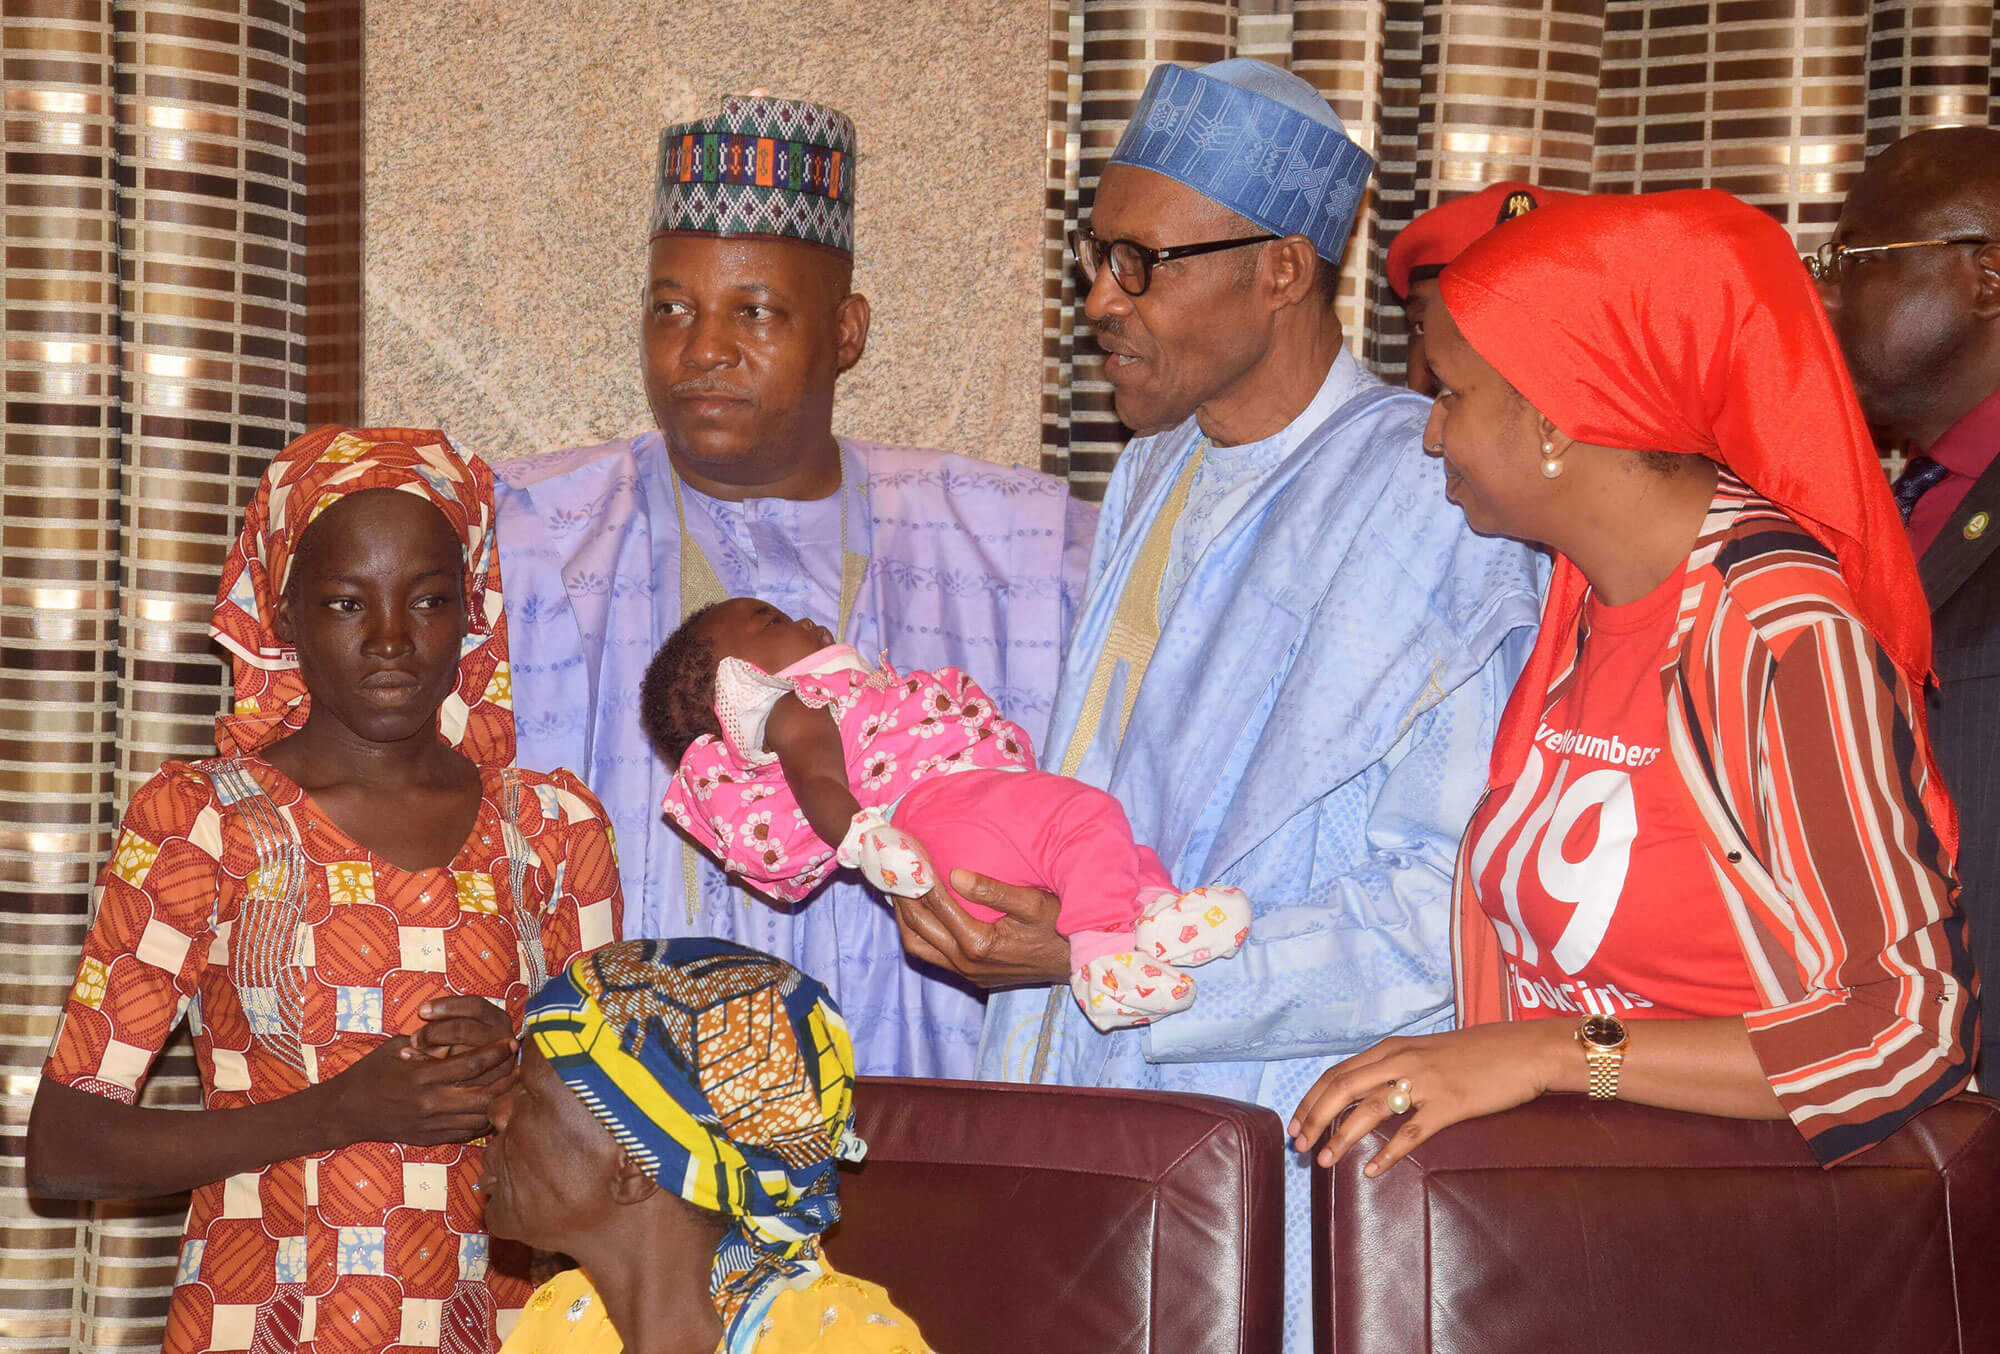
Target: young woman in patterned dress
(350, 907)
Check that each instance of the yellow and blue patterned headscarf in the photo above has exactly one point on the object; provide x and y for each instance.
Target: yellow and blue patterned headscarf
(727, 1075)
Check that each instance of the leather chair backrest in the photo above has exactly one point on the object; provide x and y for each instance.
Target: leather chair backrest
(1575, 1225)
(1018, 1219)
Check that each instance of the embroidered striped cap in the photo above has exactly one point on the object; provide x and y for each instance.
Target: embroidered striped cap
(1257, 139)
(761, 166)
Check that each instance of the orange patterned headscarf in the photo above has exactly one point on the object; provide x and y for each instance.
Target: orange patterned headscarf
(305, 479)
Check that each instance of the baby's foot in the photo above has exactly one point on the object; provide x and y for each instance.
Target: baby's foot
(888, 857)
(1202, 924)
(1122, 989)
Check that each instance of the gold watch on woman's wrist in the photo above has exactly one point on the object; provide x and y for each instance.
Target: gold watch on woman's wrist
(1603, 1039)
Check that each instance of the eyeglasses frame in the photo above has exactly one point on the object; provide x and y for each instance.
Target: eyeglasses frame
(1826, 264)
(1150, 258)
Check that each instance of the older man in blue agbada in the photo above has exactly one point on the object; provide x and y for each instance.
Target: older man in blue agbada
(1292, 654)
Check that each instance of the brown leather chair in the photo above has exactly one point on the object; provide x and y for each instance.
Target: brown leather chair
(1569, 1224)
(1019, 1219)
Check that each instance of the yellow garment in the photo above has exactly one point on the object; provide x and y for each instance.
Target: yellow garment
(830, 1314)
(834, 1314)
(565, 1316)
(1134, 634)
(1135, 626)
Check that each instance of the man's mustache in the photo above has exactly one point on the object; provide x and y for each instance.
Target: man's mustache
(706, 385)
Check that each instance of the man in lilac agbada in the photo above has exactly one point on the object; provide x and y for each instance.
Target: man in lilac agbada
(743, 489)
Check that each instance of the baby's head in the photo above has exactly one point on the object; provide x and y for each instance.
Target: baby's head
(677, 699)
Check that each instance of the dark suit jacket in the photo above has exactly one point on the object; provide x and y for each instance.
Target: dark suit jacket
(1961, 576)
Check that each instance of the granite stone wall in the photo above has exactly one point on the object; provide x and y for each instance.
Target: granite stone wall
(510, 149)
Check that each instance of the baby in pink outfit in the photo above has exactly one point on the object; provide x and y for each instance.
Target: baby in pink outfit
(793, 755)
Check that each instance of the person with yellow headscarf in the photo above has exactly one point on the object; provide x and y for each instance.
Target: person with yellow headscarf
(677, 1125)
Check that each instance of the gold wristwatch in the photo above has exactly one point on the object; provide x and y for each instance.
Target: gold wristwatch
(1603, 1038)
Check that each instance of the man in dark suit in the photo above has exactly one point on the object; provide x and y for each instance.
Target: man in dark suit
(1912, 283)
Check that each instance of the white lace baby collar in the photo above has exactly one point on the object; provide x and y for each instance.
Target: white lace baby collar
(745, 695)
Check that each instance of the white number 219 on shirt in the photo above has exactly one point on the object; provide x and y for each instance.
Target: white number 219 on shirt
(1593, 885)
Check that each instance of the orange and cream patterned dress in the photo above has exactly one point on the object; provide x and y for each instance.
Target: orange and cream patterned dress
(292, 951)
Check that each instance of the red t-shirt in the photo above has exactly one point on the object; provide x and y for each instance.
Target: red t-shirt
(1589, 864)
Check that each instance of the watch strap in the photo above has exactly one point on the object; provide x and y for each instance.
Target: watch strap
(1604, 1064)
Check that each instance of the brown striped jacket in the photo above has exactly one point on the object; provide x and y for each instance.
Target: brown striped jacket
(1797, 741)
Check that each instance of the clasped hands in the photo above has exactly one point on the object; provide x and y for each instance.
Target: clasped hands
(435, 1085)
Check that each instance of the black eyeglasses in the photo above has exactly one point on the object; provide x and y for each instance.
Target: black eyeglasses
(1829, 261)
(1132, 263)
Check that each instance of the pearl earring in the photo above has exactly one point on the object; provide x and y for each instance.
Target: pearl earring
(1551, 467)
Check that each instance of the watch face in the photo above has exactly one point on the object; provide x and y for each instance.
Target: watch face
(1603, 1031)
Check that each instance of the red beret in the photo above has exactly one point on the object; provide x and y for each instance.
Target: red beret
(1444, 232)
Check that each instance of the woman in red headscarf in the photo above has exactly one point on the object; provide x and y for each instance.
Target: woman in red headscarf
(1713, 867)
(351, 906)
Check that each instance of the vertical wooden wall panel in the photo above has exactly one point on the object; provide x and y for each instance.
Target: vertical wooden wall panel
(1764, 98)
(1931, 63)
(181, 228)
(1059, 217)
(1122, 40)
(59, 508)
(1775, 100)
(329, 261)
(1339, 46)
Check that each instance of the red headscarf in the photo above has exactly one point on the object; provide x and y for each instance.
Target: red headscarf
(1684, 322)
(1422, 248)
(304, 480)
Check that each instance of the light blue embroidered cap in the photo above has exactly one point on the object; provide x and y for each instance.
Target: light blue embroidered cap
(1257, 139)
